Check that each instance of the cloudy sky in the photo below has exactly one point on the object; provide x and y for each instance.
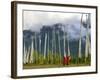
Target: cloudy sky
(33, 20)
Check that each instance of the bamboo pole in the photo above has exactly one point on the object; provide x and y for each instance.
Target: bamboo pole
(40, 44)
(59, 45)
(52, 45)
(48, 47)
(24, 56)
(64, 41)
(28, 55)
(79, 53)
(39, 57)
(32, 50)
(68, 42)
(36, 47)
(87, 38)
(45, 46)
(55, 44)
(89, 43)
(86, 45)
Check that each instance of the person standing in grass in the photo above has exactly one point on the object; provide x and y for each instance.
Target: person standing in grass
(66, 60)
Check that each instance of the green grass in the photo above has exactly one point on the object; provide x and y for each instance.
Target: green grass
(54, 61)
(35, 66)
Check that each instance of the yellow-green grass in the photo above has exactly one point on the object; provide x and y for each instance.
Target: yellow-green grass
(36, 66)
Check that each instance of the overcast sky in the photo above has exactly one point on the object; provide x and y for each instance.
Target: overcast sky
(34, 19)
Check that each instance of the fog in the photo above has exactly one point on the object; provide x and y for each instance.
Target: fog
(34, 21)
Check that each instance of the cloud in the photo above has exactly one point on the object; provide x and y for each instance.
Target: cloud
(34, 20)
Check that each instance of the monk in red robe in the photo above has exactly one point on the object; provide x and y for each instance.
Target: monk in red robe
(66, 60)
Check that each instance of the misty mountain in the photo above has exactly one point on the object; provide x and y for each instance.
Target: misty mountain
(52, 32)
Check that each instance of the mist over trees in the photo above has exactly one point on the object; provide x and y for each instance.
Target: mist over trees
(56, 40)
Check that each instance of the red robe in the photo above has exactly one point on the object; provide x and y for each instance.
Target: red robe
(66, 60)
